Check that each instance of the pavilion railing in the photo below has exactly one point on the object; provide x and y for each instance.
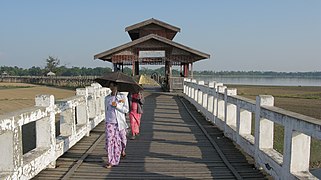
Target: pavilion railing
(176, 83)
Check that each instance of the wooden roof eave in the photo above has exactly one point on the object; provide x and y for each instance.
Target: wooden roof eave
(119, 48)
(152, 21)
(183, 47)
(109, 53)
(106, 58)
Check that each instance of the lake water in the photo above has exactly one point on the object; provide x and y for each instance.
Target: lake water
(270, 81)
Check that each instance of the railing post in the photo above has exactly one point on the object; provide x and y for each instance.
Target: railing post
(185, 91)
(230, 109)
(11, 148)
(243, 121)
(205, 98)
(193, 90)
(186, 88)
(97, 98)
(196, 92)
(210, 101)
(91, 102)
(215, 102)
(263, 127)
(296, 151)
(300, 152)
(220, 103)
(190, 89)
(199, 99)
(45, 128)
(67, 122)
(82, 109)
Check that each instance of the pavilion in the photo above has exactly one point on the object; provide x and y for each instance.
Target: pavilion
(152, 44)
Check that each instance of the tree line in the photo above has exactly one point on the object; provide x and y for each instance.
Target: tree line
(53, 65)
(98, 71)
(61, 71)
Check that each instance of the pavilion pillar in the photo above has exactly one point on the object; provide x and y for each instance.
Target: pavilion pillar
(136, 68)
(168, 74)
(185, 70)
(166, 70)
(133, 68)
(116, 68)
(192, 70)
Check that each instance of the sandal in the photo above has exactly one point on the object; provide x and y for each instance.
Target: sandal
(108, 166)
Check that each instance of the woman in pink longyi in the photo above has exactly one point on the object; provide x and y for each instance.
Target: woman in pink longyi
(136, 113)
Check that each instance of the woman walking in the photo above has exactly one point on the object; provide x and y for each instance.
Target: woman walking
(116, 105)
(136, 112)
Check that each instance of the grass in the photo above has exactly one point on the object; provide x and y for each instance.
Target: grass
(16, 96)
(14, 87)
(299, 99)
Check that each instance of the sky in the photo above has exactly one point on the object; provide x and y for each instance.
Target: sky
(240, 35)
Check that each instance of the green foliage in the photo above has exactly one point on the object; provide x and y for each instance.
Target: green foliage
(83, 71)
(52, 64)
(128, 71)
(35, 71)
(60, 71)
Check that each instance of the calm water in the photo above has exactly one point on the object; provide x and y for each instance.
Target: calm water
(271, 81)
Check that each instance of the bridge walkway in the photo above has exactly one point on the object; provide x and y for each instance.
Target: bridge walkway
(171, 146)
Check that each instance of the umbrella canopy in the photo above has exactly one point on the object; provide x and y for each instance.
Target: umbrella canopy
(124, 83)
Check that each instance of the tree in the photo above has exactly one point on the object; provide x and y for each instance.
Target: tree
(52, 64)
(35, 71)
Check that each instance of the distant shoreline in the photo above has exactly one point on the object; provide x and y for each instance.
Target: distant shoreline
(259, 76)
(261, 80)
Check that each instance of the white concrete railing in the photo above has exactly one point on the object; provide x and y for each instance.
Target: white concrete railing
(233, 115)
(78, 116)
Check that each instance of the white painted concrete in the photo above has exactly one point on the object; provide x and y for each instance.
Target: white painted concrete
(87, 107)
(233, 114)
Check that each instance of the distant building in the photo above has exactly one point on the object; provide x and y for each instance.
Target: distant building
(152, 44)
(51, 74)
(4, 73)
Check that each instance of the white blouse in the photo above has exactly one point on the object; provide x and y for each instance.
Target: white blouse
(116, 114)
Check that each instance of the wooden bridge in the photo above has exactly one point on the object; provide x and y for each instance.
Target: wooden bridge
(176, 142)
(198, 134)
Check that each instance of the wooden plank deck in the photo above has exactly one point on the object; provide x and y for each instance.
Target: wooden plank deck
(171, 146)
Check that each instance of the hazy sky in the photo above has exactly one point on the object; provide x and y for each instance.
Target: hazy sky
(276, 35)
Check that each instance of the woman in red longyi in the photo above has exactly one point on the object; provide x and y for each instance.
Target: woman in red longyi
(136, 113)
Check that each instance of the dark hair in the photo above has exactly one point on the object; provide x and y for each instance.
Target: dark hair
(113, 82)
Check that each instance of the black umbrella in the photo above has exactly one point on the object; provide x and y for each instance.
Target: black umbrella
(124, 83)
